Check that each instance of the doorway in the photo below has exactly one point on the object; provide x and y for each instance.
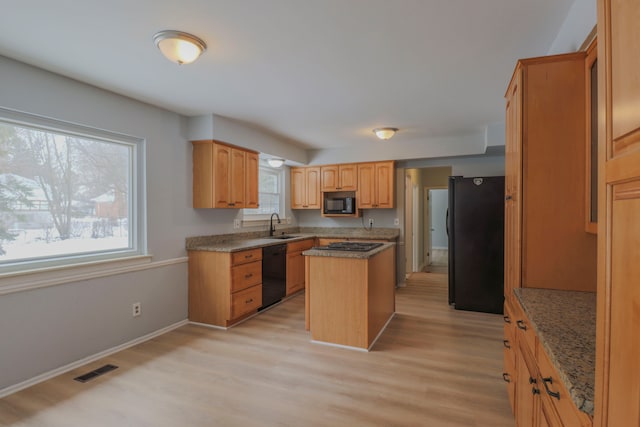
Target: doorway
(438, 239)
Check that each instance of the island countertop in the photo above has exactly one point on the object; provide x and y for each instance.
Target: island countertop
(565, 322)
(347, 254)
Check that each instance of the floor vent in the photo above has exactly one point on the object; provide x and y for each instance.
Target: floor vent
(95, 373)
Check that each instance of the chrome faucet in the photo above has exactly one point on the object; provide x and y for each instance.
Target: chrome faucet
(272, 229)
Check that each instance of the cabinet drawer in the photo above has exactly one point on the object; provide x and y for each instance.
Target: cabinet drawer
(246, 275)
(524, 330)
(244, 257)
(553, 387)
(299, 246)
(246, 301)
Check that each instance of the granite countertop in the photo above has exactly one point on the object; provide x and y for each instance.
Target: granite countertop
(565, 322)
(348, 254)
(242, 241)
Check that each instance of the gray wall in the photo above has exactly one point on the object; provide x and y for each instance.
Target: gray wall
(46, 328)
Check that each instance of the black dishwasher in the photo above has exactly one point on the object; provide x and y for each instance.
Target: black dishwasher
(274, 271)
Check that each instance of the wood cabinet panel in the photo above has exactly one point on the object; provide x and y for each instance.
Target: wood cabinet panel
(295, 265)
(222, 176)
(246, 275)
(546, 244)
(618, 317)
(224, 287)
(251, 194)
(305, 188)
(527, 389)
(342, 177)
(376, 185)
(246, 301)
(243, 257)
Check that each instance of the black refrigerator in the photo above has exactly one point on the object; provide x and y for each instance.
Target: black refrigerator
(475, 225)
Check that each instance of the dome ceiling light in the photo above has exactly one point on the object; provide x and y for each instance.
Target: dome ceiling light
(178, 46)
(385, 133)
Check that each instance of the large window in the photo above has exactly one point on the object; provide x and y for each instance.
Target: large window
(271, 192)
(68, 193)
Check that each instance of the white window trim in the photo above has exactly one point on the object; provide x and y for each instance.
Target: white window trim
(138, 184)
(250, 220)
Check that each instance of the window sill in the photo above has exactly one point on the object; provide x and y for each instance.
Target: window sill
(18, 281)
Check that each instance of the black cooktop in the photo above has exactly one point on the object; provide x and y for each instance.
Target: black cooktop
(349, 246)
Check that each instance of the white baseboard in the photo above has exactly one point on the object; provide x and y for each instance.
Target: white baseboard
(73, 365)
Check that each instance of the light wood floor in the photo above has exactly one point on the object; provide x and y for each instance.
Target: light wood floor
(433, 366)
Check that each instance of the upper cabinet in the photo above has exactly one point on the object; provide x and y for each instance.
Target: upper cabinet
(376, 183)
(618, 319)
(343, 177)
(546, 245)
(305, 188)
(224, 176)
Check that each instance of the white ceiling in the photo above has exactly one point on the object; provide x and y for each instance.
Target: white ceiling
(320, 72)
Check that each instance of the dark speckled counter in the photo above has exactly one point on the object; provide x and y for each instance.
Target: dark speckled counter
(565, 322)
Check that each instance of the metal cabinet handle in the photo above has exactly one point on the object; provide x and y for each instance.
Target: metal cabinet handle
(246, 276)
(506, 377)
(507, 319)
(248, 256)
(509, 198)
(549, 380)
(232, 204)
(533, 380)
(249, 301)
(521, 325)
(535, 390)
(506, 343)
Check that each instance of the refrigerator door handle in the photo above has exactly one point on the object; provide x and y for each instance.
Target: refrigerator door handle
(447, 221)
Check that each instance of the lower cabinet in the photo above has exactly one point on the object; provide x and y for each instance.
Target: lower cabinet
(536, 394)
(295, 265)
(224, 288)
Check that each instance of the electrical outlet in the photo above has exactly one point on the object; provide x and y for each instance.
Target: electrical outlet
(396, 221)
(370, 222)
(137, 309)
(236, 223)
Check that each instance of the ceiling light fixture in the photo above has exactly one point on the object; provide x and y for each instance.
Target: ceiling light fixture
(385, 133)
(179, 47)
(275, 163)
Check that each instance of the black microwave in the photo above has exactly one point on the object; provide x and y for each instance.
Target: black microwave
(339, 205)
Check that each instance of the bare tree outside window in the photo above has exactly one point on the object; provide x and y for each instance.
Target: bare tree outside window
(62, 194)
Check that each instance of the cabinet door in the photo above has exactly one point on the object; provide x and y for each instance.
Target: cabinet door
(384, 182)
(305, 188)
(365, 198)
(203, 174)
(298, 188)
(348, 177)
(330, 178)
(222, 159)
(617, 346)
(251, 194)
(312, 180)
(237, 178)
(513, 179)
(295, 272)
(526, 392)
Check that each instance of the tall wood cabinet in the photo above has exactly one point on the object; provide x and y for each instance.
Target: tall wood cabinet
(546, 245)
(618, 317)
(224, 176)
(305, 188)
(376, 182)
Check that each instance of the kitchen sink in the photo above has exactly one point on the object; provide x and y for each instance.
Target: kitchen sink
(283, 237)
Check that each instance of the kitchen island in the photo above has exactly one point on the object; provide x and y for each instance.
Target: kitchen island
(350, 296)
